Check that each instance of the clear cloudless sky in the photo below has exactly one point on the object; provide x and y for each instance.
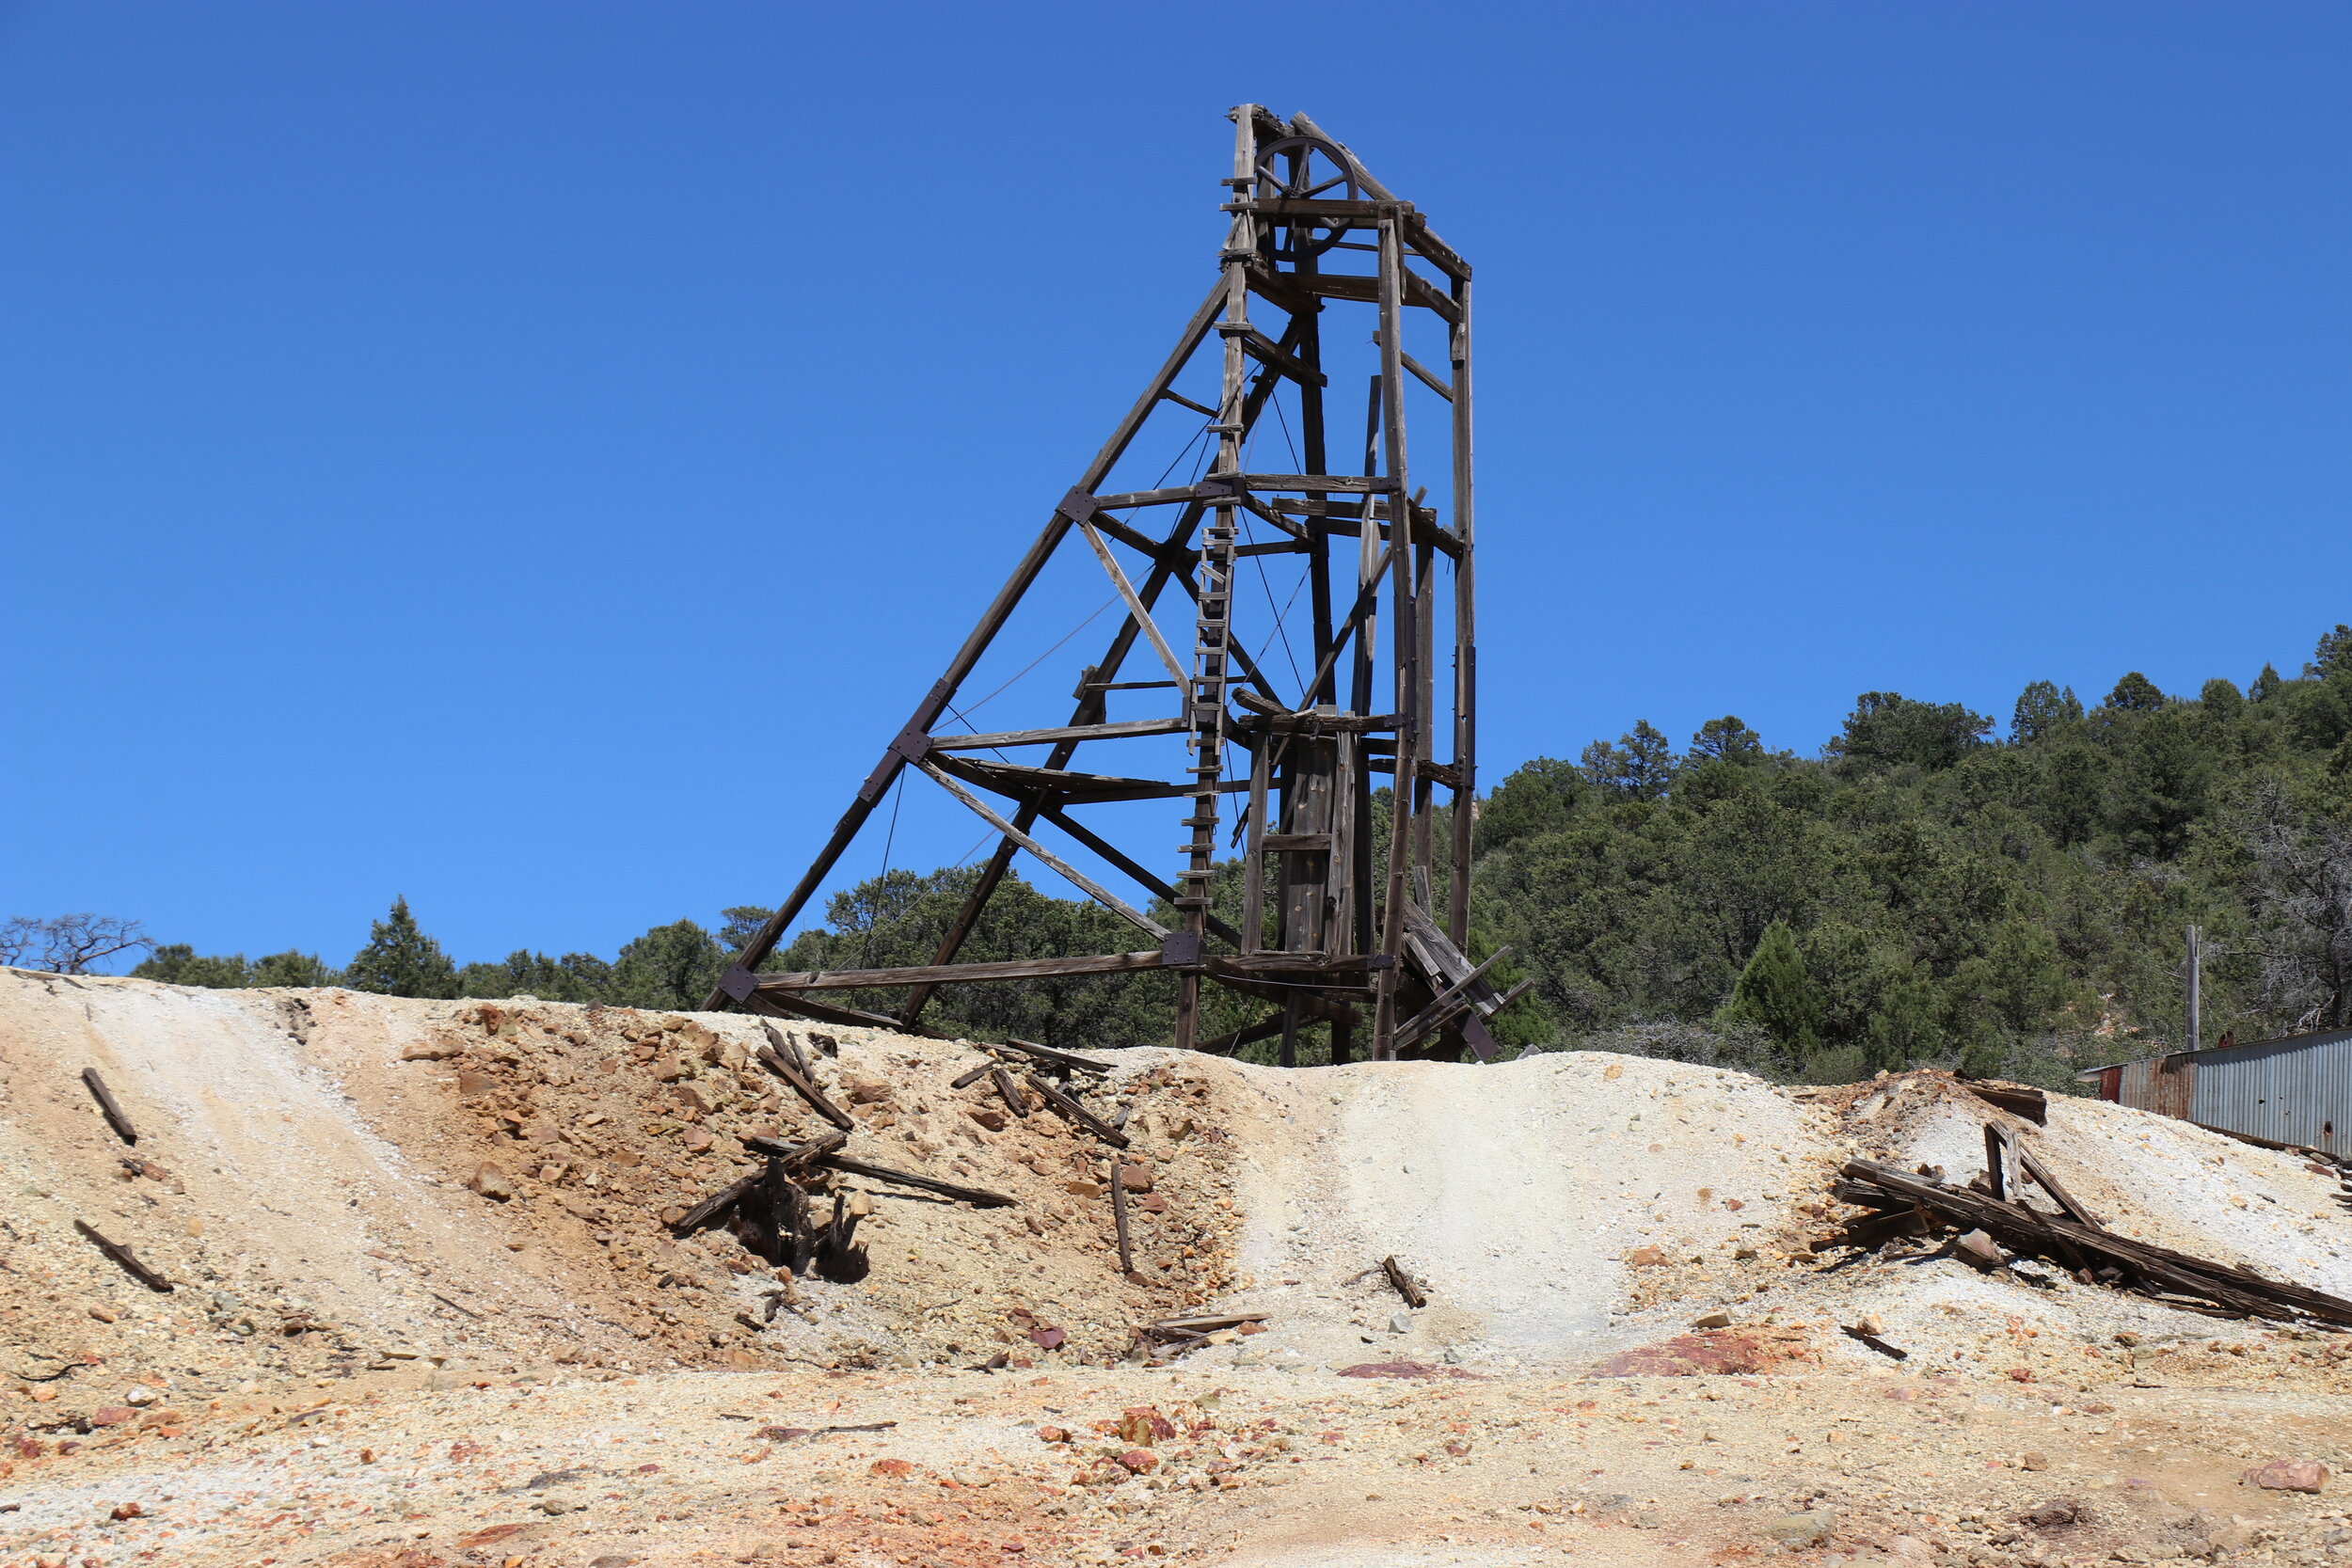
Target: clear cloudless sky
(530, 457)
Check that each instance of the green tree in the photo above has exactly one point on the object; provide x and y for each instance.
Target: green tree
(2042, 709)
(291, 968)
(1640, 766)
(2136, 693)
(673, 966)
(1775, 991)
(1728, 738)
(1888, 730)
(2267, 684)
(400, 960)
(2334, 653)
(178, 963)
(1537, 797)
(574, 977)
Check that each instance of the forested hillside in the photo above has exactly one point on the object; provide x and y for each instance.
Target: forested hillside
(1924, 890)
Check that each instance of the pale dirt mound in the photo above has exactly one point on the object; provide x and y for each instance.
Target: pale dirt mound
(306, 1156)
(368, 1363)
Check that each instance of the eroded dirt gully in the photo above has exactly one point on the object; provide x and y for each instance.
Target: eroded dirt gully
(379, 1353)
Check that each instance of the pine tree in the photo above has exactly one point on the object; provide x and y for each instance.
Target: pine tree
(2137, 693)
(400, 960)
(1776, 991)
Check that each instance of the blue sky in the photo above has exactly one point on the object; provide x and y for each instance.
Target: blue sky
(530, 457)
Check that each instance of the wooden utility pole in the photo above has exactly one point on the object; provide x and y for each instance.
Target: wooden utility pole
(1315, 929)
(2196, 987)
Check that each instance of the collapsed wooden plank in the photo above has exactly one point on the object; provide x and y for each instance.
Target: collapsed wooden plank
(1045, 1053)
(2029, 1229)
(2058, 1194)
(106, 1106)
(980, 1197)
(2016, 1099)
(125, 1261)
(1076, 1114)
(801, 1085)
(717, 1204)
(796, 1156)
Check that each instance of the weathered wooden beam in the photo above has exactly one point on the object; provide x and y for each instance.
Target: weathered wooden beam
(718, 1203)
(978, 1197)
(1119, 1215)
(1136, 610)
(1096, 890)
(1078, 1114)
(106, 1106)
(1057, 735)
(796, 1156)
(783, 1003)
(1134, 868)
(802, 1085)
(2058, 1194)
(125, 1261)
(1406, 1286)
(950, 975)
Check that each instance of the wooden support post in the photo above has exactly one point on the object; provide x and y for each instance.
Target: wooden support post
(1119, 1212)
(1464, 633)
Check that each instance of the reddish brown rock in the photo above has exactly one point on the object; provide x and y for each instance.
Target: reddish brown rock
(2288, 1475)
(112, 1415)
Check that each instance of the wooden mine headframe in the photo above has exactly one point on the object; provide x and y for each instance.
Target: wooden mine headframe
(1323, 931)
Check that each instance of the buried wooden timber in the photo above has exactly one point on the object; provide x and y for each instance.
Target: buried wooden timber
(106, 1106)
(2159, 1271)
(1405, 1285)
(125, 1261)
(802, 1085)
(718, 1204)
(1076, 1114)
(978, 1197)
(1009, 1092)
(782, 1157)
(1118, 1215)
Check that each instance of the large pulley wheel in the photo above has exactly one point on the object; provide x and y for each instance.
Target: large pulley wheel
(1304, 169)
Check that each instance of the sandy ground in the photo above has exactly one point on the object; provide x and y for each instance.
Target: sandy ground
(366, 1360)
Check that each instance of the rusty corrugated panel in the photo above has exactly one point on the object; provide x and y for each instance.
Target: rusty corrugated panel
(2173, 1085)
(2111, 1083)
(2296, 1091)
(2138, 1087)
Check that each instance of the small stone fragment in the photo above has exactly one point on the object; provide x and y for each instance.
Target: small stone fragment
(1717, 1319)
(1801, 1529)
(1978, 1251)
(491, 1182)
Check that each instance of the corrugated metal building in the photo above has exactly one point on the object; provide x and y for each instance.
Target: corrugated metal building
(2295, 1092)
